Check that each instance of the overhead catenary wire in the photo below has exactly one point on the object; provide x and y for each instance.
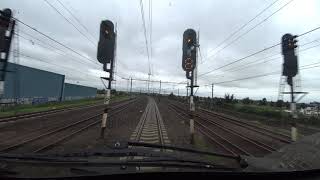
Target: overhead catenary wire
(241, 59)
(300, 51)
(76, 18)
(150, 33)
(38, 44)
(39, 40)
(277, 54)
(262, 60)
(310, 31)
(253, 54)
(146, 80)
(252, 28)
(44, 61)
(266, 74)
(50, 47)
(241, 27)
(67, 20)
(50, 38)
(145, 34)
(54, 40)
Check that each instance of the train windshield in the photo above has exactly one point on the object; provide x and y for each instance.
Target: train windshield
(109, 87)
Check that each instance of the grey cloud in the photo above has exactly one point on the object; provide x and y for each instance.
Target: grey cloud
(215, 20)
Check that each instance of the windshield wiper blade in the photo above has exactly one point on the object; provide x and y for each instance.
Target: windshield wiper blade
(133, 143)
(239, 159)
(123, 151)
(90, 159)
(147, 157)
(124, 163)
(183, 160)
(33, 157)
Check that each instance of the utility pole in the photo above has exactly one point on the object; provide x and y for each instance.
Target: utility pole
(187, 89)
(148, 81)
(211, 95)
(178, 92)
(160, 88)
(212, 91)
(130, 85)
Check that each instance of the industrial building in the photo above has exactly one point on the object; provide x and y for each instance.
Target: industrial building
(74, 91)
(33, 86)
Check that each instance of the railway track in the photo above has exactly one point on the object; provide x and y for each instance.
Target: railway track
(284, 138)
(231, 141)
(150, 128)
(42, 113)
(46, 113)
(217, 139)
(45, 141)
(258, 129)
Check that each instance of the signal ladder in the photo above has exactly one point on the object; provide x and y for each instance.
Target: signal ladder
(282, 85)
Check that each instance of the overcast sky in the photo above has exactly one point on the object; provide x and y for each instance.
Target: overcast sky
(214, 19)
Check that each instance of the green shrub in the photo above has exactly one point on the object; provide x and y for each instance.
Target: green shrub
(259, 110)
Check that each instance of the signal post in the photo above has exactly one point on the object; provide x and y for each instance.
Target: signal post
(105, 55)
(189, 62)
(290, 70)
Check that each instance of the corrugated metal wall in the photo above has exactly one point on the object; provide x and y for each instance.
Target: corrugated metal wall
(28, 84)
(74, 91)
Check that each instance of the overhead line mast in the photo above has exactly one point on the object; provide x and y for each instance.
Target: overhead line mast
(7, 28)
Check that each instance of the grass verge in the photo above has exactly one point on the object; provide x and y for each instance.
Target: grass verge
(29, 108)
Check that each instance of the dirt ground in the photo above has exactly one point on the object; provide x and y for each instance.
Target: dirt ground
(119, 128)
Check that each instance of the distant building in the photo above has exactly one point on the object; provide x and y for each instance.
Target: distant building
(315, 104)
(27, 85)
(74, 91)
(310, 111)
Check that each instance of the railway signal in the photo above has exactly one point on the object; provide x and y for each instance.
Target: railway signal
(290, 70)
(290, 65)
(106, 42)
(189, 50)
(7, 24)
(106, 55)
(189, 62)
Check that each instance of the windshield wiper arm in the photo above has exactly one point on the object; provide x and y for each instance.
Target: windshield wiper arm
(124, 163)
(241, 161)
(123, 151)
(78, 159)
(133, 143)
